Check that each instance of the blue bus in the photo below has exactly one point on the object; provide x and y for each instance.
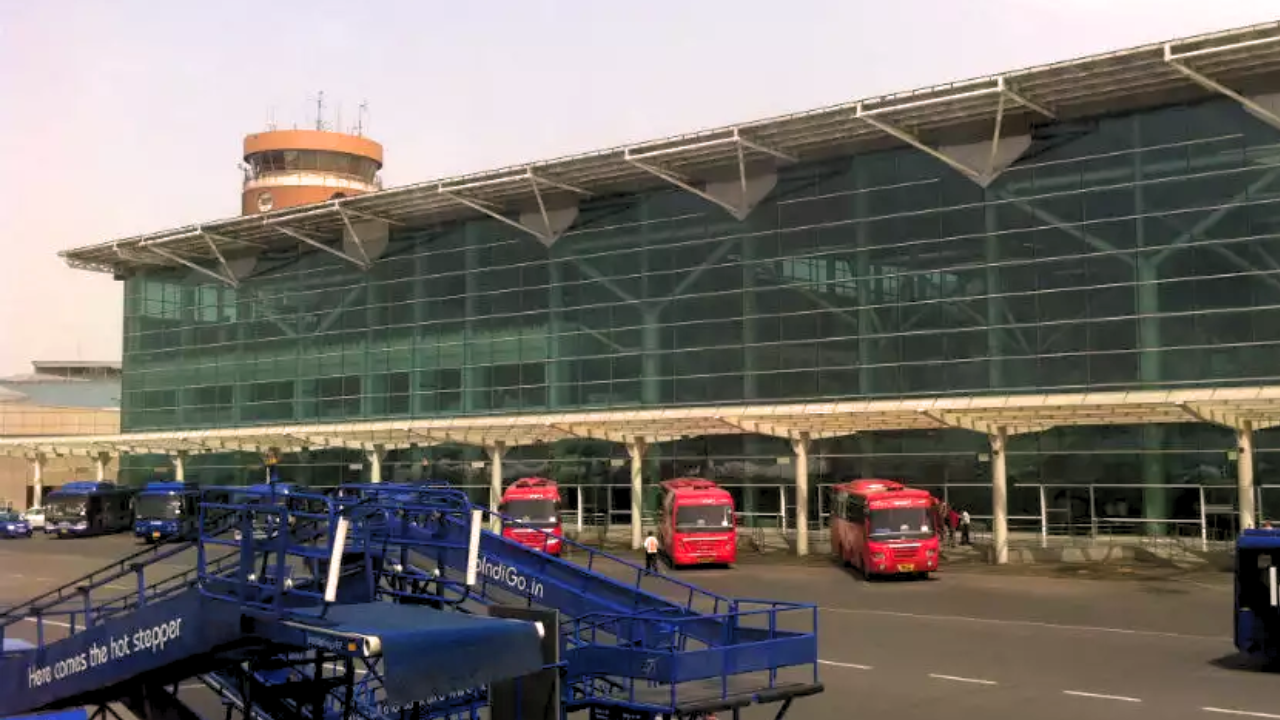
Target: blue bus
(167, 511)
(88, 508)
(1257, 593)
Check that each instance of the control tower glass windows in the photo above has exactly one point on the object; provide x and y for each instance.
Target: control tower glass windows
(281, 161)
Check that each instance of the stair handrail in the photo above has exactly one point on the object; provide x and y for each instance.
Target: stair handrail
(124, 567)
(593, 553)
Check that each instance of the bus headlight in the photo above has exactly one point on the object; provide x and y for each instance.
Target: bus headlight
(877, 557)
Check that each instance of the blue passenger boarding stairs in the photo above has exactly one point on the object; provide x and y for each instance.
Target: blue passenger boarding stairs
(365, 605)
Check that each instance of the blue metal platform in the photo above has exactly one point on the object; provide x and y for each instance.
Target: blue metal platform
(363, 604)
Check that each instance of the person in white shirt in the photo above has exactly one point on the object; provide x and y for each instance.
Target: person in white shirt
(651, 553)
(964, 528)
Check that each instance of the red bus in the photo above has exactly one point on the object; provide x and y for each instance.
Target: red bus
(883, 527)
(697, 525)
(533, 503)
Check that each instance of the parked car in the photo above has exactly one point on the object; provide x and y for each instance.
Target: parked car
(14, 525)
(35, 518)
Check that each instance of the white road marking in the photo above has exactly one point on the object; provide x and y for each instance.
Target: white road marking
(1025, 623)
(1121, 698)
(1244, 713)
(844, 665)
(954, 678)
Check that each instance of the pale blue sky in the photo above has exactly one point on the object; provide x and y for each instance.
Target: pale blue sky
(125, 116)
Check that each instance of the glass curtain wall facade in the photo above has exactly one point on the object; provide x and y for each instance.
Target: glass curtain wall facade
(1134, 251)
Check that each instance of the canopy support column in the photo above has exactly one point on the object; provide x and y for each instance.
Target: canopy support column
(37, 480)
(496, 451)
(999, 497)
(1244, 475)
(375, 463)
(636, 448)
(101, 461)
(800, 446)
(180, 466)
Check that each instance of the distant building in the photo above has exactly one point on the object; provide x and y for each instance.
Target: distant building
(56, 398)
(68, 384)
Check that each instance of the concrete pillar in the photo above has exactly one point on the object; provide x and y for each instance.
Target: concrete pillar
(578, 490)
(636, 449)
(1044, 519)
(375, 463)
(100, 463)
(800, 446)
(180, 466)
(999, 498)
(496, 451)
(37, 480)
(1244, 475)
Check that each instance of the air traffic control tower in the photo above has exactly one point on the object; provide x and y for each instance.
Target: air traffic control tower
(288, 168)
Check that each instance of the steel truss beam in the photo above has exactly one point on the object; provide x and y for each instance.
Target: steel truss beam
(314, 242)
(982, 176)
(550, 231)
(744, 206)
(227, 279)
(1175, 60)
(227, 276)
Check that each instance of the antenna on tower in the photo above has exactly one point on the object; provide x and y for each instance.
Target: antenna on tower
(271, 118)
(361, 112)
(320, 110)
(337, 118)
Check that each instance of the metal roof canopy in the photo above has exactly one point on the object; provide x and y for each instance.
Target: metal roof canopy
(1146, 76)
(1255, 408)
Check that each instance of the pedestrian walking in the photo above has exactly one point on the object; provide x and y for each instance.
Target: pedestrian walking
(965, 524)
(651, 553)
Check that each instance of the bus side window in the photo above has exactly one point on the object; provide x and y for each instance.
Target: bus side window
(855, 512)
(1256, 567)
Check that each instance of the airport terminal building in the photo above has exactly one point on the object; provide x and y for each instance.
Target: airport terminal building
(1051, 295)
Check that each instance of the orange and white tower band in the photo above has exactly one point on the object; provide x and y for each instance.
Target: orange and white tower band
(288, 168)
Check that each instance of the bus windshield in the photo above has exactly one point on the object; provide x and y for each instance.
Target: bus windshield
(160, 507)
(66, 507)
(909, 523)
(535, 513)
(704, 518)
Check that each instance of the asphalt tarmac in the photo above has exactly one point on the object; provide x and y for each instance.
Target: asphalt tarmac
(973, 641)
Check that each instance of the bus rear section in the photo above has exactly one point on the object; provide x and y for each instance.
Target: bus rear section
(883, 527)
(697, 524)
(1257, 594)
(167, 511)
(531, 514)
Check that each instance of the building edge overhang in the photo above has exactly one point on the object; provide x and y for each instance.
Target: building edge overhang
(1213, 64)
(1239, 408)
